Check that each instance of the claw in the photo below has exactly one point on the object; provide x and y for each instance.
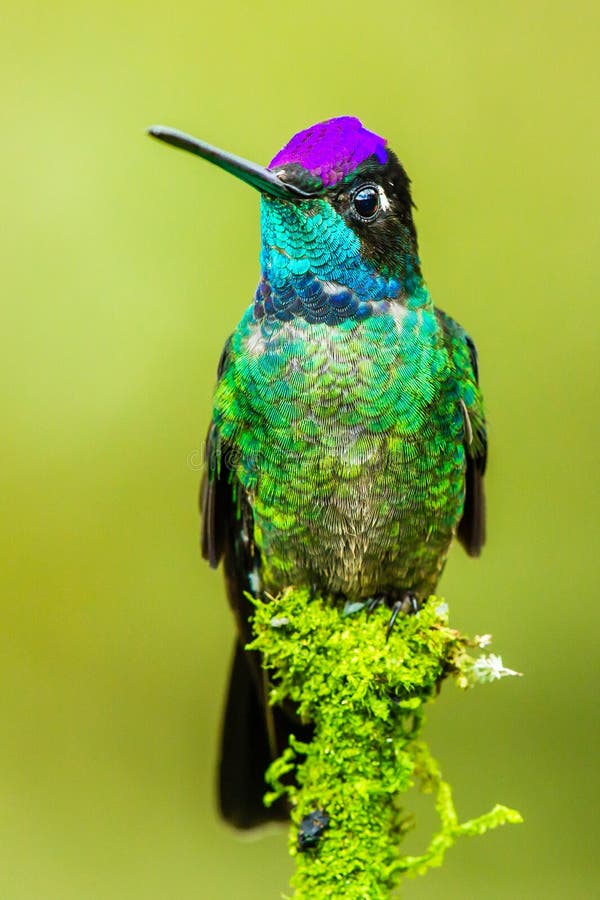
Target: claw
(413, 604)
(374, 602)
(395, 613)
(406, 603)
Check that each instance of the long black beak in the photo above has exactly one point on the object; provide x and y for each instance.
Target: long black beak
(262, 179)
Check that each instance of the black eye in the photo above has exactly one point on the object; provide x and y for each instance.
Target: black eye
(366, 202)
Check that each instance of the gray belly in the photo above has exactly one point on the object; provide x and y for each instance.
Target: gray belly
(377, 525)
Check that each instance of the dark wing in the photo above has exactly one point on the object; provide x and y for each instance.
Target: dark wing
(463, 353)
(215, 488)
(253, 733)
(227, 525)
(471, 530)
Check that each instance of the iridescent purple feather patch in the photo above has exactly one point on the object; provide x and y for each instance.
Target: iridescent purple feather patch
(332, 149)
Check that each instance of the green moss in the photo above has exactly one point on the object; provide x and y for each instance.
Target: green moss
(366, 698)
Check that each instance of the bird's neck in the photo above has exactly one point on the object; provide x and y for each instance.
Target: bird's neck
(331, 290)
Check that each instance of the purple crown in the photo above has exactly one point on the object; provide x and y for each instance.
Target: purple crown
(332, 149)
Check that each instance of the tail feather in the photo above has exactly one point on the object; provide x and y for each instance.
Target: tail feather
(246, 752)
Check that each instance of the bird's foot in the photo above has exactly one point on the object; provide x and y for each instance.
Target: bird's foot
(404, 602)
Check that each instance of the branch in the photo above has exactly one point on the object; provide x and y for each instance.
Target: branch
(366, 698)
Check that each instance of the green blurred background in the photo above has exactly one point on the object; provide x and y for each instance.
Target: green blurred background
(125, 265)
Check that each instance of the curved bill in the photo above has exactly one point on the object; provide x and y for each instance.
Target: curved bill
(258, 176)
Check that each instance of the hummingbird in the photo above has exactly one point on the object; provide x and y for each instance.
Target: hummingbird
(347, 446)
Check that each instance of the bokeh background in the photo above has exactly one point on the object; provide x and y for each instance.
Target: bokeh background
(125, 265)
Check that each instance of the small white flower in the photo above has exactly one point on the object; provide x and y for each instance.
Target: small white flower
(489, 668)
(279, 621)
(442, 610)
(483, 640)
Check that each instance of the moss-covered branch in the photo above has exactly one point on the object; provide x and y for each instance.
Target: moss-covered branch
(365, 697)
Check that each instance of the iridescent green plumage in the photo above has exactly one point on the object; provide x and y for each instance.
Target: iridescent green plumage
(349, 442)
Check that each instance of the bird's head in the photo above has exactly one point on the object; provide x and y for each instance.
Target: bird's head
(336, 219)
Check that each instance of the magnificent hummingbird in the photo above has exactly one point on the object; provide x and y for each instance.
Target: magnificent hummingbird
(348, 441)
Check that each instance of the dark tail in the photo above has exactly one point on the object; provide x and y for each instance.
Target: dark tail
(245, 749)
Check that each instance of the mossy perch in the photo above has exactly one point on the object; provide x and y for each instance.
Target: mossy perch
(366, 698)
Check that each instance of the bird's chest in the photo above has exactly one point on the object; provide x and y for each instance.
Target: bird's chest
(340, 435)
